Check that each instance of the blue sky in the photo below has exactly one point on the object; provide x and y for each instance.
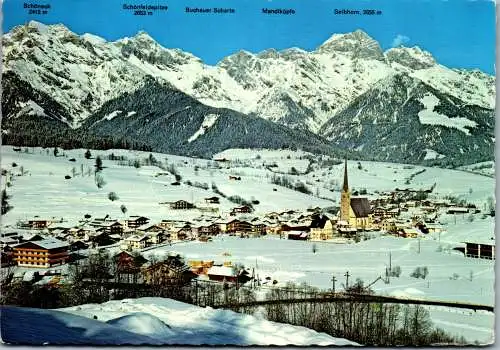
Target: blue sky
(458, 33)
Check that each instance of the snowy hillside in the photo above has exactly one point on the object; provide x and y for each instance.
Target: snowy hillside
(44, 191)
(451, 276)
(150, 321)
(405, 120)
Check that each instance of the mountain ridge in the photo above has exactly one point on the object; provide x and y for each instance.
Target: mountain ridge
(299, 89)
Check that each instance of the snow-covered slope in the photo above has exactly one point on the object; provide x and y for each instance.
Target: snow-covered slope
(151, 321)
(403, 119)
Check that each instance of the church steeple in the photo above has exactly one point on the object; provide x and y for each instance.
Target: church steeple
(345, 188)
(345, 197)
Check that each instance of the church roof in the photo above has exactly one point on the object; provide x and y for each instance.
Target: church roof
(360, 206)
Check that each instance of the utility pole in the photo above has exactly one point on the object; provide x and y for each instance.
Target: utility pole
(346, 279)
(333, 284)
(253, 278)
(390, 262)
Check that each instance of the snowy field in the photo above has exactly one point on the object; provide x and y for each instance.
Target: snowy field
(153, 321)
(43, 190)
(451, 276)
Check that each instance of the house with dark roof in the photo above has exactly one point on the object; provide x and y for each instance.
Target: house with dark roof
(212, 200)
(136, 221)
(181, 204)
(321, 228)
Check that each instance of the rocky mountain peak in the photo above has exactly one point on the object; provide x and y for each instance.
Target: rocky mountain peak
(411, 57)
(268, 53)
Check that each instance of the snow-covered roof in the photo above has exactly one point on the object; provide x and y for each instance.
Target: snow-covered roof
(480, 240)
(146, 226)
(8, 240)
(222, 271)
(136, 238)
(48, 243)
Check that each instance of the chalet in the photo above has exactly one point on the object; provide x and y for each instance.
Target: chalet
(101, 238)
(181, 233)
(128, 267)
(272, 228)
(136, 242)
(200, 267)
(457, 210)
(484, 249)
(148, 228)
(40, 223)
(126, 261)
(181, 204)
(64, 237)
(78, 245)
(112, 227)
(242, 209)
(258, 228)
(223, 224)
(134, 222)
(45, 253)
(212, 200)
(428, 209)
(34, 237)
(434, 228)
(272, 215)
(379, 212)
(8, 241)
(344, 228)
(169, 224)
(321, 228)
(99, 222)
(223, 274)
(170, 271)
(238, 226)
(388, 225)
(314, 210)
(209, 230)
(156, 238)
(409, 232)
(80, 232)
(234, 177)
(7, 257)
(298, 235)
(289, 212)
(289, 226)
(221, 160)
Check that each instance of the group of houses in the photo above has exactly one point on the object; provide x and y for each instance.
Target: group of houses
(53, 238)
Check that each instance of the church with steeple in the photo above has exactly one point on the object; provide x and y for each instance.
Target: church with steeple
(354, 211)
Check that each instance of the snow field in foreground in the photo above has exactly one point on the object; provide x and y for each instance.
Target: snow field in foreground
(151, 321)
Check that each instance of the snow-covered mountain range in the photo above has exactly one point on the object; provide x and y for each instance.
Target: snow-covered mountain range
(295, 88)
